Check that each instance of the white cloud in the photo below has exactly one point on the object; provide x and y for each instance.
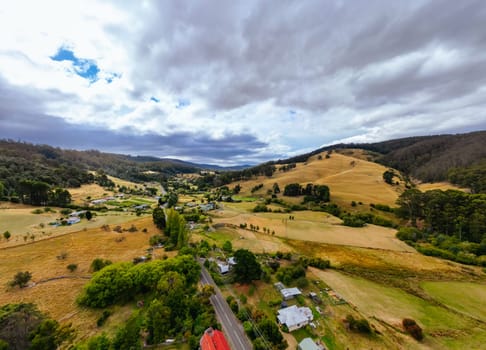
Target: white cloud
(350, 72)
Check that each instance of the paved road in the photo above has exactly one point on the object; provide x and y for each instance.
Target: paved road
(232, 328)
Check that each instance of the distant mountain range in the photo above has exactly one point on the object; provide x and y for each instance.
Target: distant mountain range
(428, 158)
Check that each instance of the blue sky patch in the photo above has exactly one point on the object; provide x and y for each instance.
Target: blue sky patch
(111, 76)
(155, 99)
(83, 67)
(183, 103)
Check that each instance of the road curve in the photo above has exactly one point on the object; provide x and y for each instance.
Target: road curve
(232, 328)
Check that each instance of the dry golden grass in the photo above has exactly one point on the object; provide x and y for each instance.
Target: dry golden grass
(57, 297)
(21, 222)
(444, 186)
(80, 195)
(314, 227)
(349, 179)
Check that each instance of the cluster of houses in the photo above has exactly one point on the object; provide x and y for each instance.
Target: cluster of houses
(293, 317)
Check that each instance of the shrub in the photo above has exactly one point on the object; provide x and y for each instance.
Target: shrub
(412, 328)
(72, 267)
(98, 263)
(358, 325)
(21, 279)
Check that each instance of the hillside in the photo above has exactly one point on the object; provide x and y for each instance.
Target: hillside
(427, 158)
(349, 179)
(69, 168)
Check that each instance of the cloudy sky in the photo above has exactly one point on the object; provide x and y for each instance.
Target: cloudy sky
(230, 82)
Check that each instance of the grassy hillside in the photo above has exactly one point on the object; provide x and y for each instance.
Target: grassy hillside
(349, 179)
(57, 296)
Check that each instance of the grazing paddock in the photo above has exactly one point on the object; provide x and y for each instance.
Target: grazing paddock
(80, 195)
(23, 224)
(317, 227)
(57, 297)
(243, 239)
(349, 179)
(442, 328)
(460, 296)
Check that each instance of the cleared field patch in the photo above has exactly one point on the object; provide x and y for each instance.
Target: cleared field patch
(443, 186)
(349, 179)
(57, 297)
(27, 227)
(84, 194)
(316, 227)
(243, 239)
(442, 327)
(466, 298)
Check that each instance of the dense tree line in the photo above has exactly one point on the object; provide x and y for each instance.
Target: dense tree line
(174, 308)
(69, 168)
(473, 177)
(453, 223)
(311, 193)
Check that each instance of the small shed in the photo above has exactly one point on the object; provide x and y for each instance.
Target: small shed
(290, 293)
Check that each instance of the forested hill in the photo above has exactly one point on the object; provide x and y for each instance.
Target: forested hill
(459, 158)
(69, 168)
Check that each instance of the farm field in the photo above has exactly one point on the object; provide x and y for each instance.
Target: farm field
(23, 224)
(57, 297)
(346, 176)
(84, 194)
(313, 226)
(466, 298)
(442, 327)
(443, 186)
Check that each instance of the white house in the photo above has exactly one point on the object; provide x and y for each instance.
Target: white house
(223, 268)
(289, 293)
(309, 344)
(295, 317)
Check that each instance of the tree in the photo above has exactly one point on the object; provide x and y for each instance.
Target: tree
(59, 197)
(292, 190)
(158, 217)
(21, 279)
(128, 336)
(412, 328)
(247, 267)
(276, 188)
(49, 335)
(227, 247)
(17, 321)
(2, 189)
(88, 215)
(388, 176)
(98, 263)
(156, 322)
(7, 235)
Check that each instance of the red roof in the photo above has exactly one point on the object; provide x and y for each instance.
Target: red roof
(213, 339)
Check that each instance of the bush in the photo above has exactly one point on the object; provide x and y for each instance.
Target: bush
(21, 279)
(72, 267)
(412, 328)
(260, 208)
(358, 325)
(98, 263)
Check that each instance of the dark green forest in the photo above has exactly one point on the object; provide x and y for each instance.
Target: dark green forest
(449, 224)
(69, 168)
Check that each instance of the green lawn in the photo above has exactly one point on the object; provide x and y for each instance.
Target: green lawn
(468, 298)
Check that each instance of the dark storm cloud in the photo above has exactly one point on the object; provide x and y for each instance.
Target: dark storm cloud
(22, 118)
